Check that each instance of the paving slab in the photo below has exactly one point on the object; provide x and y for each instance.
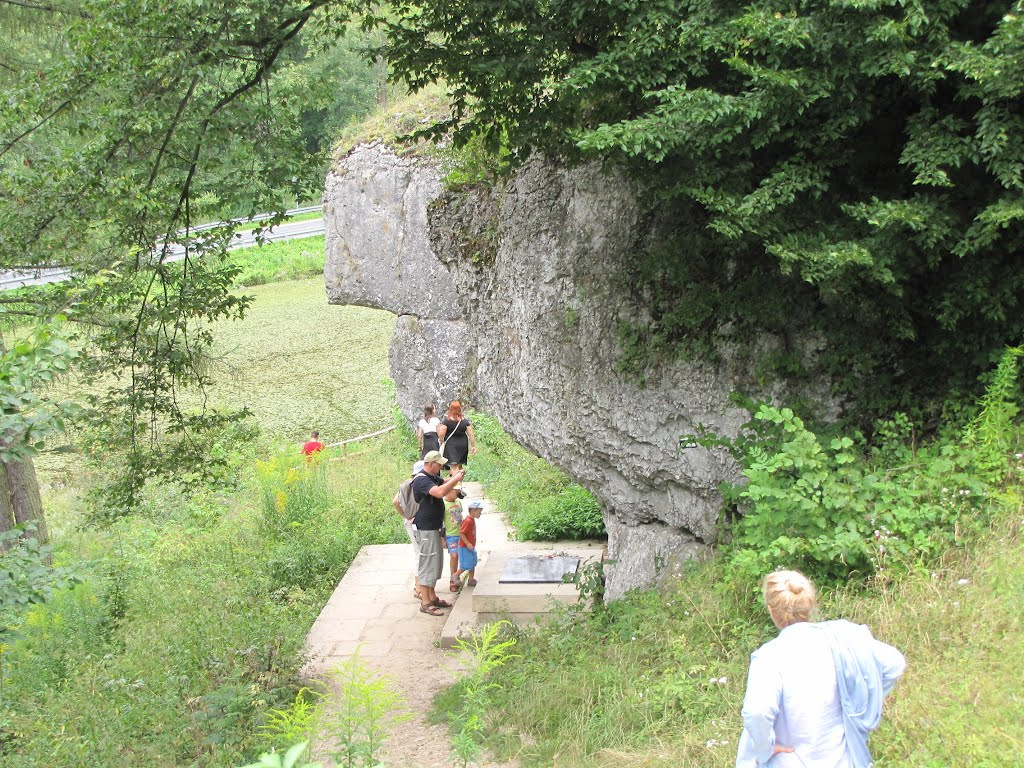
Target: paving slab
(372, 614)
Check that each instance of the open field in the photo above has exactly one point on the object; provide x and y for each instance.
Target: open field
(299, 364)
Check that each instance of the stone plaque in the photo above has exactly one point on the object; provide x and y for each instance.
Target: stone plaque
(539, 569)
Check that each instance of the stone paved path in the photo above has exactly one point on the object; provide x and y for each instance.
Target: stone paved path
(373, 612)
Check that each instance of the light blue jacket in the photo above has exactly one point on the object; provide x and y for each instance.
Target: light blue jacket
(826, 718)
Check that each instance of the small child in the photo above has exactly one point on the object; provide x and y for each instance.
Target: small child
(467, 542)
(452, 523)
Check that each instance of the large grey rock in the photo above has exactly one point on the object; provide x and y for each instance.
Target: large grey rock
(512, 300)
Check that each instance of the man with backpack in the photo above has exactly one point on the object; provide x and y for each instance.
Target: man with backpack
(405, 503)
(429, 490)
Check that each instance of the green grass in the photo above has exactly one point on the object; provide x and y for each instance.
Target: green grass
(640, 684)
(283, 260)
(300, 363)
(539, 500)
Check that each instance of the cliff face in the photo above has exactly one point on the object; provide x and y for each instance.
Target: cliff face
(512, 301)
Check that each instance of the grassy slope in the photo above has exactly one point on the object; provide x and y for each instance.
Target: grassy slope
(658, 681)
(299, 363)
(190, 620)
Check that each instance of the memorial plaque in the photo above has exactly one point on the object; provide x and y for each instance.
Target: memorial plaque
(539, 569)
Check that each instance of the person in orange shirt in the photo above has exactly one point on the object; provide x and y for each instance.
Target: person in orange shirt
(467, 542)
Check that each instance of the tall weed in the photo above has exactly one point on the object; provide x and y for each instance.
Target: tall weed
(842, 507)
(367, 708)
(189, 624)
(295, 723)
(485, 650)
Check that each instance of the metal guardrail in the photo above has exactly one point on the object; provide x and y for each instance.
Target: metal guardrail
(260, 217)
(42, 276)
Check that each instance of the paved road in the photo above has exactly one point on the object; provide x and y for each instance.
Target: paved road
(286, 231)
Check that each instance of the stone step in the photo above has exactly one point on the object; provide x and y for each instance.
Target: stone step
(491, 600)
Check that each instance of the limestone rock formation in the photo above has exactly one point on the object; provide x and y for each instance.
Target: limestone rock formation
(512, 300)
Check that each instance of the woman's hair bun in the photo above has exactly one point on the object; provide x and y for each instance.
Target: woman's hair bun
(790, 595)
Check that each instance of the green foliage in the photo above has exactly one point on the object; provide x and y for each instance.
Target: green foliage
(845, 507)
(368, 707)
(852, 167)
(590, 580)
(289, 759)
(193, 452)
(994, 429)
(28, 418)
(296, 722)
(572, 513)
(26, 578)
(475, 162)
(330, 83)
(486, 650)
(537, 498)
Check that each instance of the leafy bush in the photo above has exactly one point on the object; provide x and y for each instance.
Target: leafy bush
(573, 513)
(846, 507)
(479, 160)
(538, 499)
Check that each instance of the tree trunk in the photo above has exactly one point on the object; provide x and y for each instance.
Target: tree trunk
(19, 497)
(19, 490)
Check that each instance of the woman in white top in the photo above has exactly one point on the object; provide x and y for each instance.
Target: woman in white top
(426, 430)
(814, 692)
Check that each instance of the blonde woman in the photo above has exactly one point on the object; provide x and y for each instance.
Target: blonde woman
(815, 692)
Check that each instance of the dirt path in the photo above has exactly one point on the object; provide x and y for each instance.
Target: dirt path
(373, 613)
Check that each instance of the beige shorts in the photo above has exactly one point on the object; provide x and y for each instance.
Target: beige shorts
(430, 546)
